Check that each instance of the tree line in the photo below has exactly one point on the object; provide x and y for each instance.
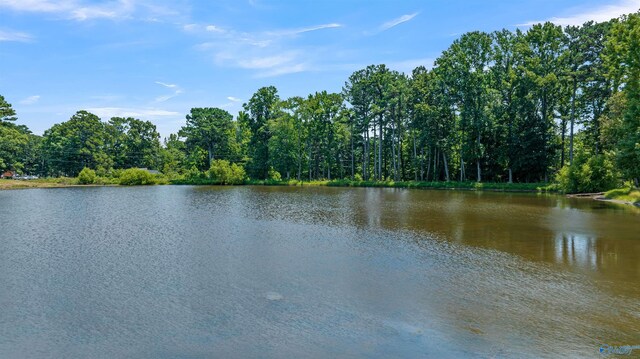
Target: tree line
(509, 106)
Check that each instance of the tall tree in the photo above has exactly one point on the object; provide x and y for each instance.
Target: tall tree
(209, 129)
(134, 143)
(625, 37)
(261, 108)
(7, 113)
(72, 145)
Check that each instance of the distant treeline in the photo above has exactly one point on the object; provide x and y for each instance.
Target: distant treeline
(549, 103)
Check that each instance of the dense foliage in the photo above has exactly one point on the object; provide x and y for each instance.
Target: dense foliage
(136, 177)
(87, 176)
(548, 103)
(223, 172)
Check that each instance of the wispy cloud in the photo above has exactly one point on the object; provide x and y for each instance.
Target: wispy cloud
(397, 21)
(304, 29)
(176, 91)
(213, 28)
(83, 10)
(171, 86)
(598, 14)
(30, 100)
(233, 99)
(268, 53)
(17, 36)
(37, 5)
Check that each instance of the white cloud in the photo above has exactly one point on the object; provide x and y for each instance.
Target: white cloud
(190, 27)
(176, 91)
(284, 70)
(141, 113)
(82, 10)
(395, 22)
(267, 62)
(304, 29)
(269, 53)
(597, 14)
(30, 100)
(171, 86)
(213, 28)
(37, 5)
(9, 35)
(233, 99)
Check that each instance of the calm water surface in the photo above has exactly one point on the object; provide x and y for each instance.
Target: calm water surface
(270, 272)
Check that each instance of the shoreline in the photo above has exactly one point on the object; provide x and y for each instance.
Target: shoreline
(617, 201)
(456, 186)
(453, 186)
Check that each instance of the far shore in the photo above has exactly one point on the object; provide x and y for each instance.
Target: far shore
(9, 184)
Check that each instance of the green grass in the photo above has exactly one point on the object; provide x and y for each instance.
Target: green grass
(473, 186)
(628, 194)
(490, 186)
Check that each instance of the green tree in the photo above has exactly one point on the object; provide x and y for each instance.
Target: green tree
(209, 129)
(286, 141)
(625, 43)
(133, 143)
(7, 113)
(261, 108)
(70, 146)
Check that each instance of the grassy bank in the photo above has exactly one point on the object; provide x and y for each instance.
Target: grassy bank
(101, 181)
(39, 183)
(629, 195)
(506, 187)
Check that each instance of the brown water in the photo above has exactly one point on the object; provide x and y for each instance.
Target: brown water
(165, 272)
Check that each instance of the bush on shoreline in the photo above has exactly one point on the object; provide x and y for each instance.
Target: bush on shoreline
(136, 177)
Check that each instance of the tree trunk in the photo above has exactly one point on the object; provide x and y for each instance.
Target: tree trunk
(510, 176)
(436, 175)
(365, 155)
(572, 120)
(393, 154)
(462, 175)
(380, 150)
(375, 153)
(415, 157)
(422, 177)
(478, 159)
(446, 166)
(353, 164)
(422, 164)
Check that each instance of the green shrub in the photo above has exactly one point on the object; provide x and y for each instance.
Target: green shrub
(274, 175)
(595, 174)
(136, 177)
(618, 192)
(222, 172)
(87, 176)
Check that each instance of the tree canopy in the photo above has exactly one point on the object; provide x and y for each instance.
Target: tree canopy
(507, 106)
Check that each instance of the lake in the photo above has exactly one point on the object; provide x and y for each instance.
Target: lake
(316, 272)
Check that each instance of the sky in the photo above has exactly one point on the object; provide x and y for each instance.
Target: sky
(156, 59)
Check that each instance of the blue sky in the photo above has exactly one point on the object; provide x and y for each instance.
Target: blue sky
(156, 59)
